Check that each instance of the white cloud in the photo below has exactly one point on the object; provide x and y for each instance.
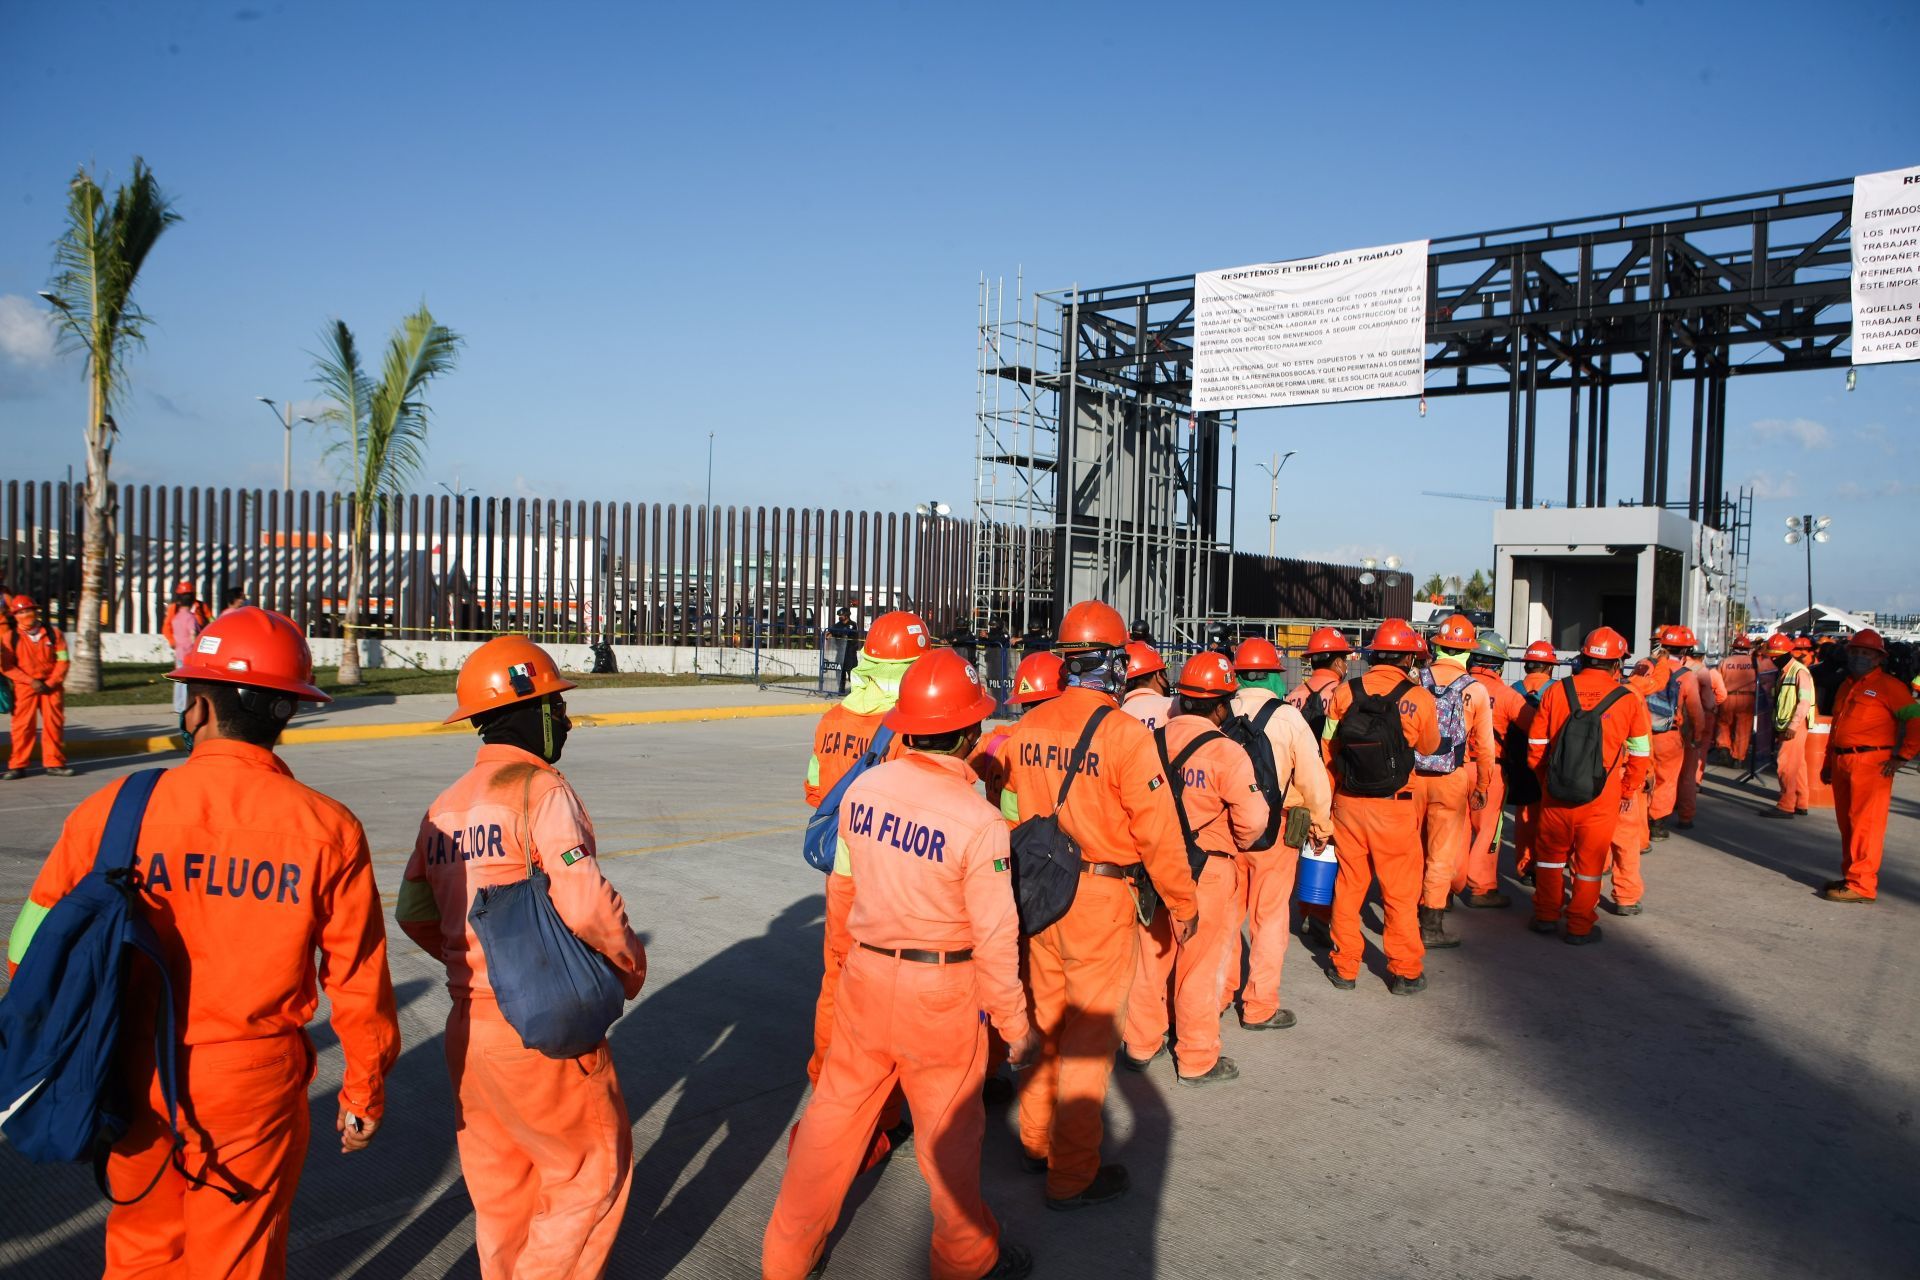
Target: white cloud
(26, 331)
(1768, 487)
(1805, 432)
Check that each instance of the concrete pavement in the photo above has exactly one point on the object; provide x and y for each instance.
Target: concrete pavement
(1725, 1088)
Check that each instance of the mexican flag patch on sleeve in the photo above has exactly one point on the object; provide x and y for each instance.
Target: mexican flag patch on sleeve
(1002, 864)
(574, 855)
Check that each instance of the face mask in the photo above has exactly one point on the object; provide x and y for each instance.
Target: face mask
(1858, 664)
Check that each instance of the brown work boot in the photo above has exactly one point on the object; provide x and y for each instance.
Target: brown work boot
(1844, 894)
(1491, 898)
(1109, 1184)
(1433, 929)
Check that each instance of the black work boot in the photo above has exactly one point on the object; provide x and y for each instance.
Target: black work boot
(1221, 1072)
(1660, 831)
(1433, 929)
(1014, 1263)
(1400, 986)
(1109, 1184)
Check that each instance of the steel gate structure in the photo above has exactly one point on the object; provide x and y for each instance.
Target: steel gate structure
(1111, 458)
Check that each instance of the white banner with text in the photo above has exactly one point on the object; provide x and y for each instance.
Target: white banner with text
(1886, 266)
(1343, 326)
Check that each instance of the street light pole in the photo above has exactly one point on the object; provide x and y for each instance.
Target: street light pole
(286, 448)
(1273, 470)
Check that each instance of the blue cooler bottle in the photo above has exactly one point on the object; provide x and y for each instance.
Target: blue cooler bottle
(1318, 870)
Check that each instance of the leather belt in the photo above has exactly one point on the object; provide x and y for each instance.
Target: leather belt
(1111, 870)
(1854, 751)
(920, 957)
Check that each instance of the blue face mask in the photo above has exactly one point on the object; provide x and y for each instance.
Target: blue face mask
(1859, 664)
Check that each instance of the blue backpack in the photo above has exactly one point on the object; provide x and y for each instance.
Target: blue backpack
(1450, 705)
(822, 840)
(1664, 706)
(60, 1021)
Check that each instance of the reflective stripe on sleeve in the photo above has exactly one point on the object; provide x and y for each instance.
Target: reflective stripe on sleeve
(1010, 805)
(416, 902)
(24, 926)
(1640, 746)
(813, 771)
(1538, 742)
(1550, 866)
(1588, 879)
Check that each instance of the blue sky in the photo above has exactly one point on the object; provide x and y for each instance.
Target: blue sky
(769, 222)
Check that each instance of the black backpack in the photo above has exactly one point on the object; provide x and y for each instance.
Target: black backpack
(1523, 784)
(1046, 859)
(1196, 856)
(1577, 765)
(1252, 737)
(1314, 710)
(1371, 755)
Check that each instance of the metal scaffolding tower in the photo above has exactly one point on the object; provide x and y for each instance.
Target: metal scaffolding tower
(1018, 434)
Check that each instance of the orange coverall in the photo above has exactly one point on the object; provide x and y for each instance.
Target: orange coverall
(37, 654)
(1378, 837)
(839, 741)
(1149, 708)
(931, 860)
(1696, 732)
(1583, 834)
(1526, 818)
(1480, 871)
(244, 874)
(1790, 735)
(1630, 836)
(1227, 812)
(1267, 885)
(1874, 717)
(1669, 748)
(545, 1144)
(1735, 714)
(1444, 801)
(1080, 968)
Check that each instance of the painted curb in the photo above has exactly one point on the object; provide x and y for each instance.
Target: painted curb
(153, 744)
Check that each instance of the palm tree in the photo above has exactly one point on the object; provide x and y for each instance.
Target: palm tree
(96, 261)
(381, 435)
(1434, 588)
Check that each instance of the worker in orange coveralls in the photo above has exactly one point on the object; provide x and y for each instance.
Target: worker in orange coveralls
(1876, 729)
(35, 661)
(545, 1144)
(1792, 711)
(244, 874)
(1080, 968)
(1267, 886)
(1146, 697)
(1696, 723)
(1378, 837)
(894, 643)
(185, 618)
(1328, 655)
(1036, 680)
(936, 957)
(1477, 879)
(1580, 836)
(1659, 682)
(1452, 785)
(1225, 811)
(1537, 666)
(1734, 731)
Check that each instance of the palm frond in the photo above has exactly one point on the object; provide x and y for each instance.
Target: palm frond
(420, 350)
(337, 372)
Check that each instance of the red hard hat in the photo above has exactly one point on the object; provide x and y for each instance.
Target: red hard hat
(1037, 678)
(1457, 632)
(1207, 675)
(501, 672)
(1092, 625)
(1395, 636)
(183, 588)
(1540, 651)
(22, 604)
(1328, 640)
(1678, 637)
(1605, 644)
(940, 693)
(1779, 644)
(1143, 659)
(896, 637)
(1867, 638)
(253, 647)
(1803, 642)
(1256, 654)
(1743, 641)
